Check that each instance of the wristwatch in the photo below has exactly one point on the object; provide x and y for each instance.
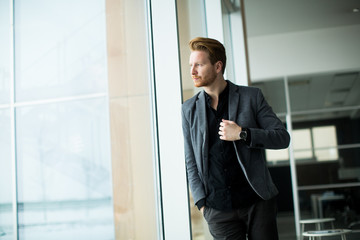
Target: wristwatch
(243, 134)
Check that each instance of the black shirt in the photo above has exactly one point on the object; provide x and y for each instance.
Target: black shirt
(228, 187)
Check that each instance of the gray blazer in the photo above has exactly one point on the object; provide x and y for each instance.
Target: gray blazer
(248, 108)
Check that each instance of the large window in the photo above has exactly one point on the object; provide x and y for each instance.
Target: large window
(56, 120)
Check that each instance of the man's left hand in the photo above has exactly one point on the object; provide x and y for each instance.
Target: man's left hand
(229, 130)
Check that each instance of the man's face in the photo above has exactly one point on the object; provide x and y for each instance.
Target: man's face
(202, 71)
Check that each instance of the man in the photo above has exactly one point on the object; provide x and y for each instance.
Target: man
(226, 127)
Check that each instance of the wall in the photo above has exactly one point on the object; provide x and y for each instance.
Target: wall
(321, 50)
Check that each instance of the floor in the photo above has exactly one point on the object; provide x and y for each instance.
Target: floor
(286, 227)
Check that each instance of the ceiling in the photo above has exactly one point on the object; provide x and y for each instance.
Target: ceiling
(265, 17)
(312, 95)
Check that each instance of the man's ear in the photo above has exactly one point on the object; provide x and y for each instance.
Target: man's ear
(219, 65)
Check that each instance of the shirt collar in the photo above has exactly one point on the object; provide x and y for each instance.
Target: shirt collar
(223, 95)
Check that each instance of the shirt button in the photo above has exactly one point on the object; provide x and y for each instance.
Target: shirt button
(229, 187)
(225, 169)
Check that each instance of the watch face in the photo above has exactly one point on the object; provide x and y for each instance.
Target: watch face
(243, 135)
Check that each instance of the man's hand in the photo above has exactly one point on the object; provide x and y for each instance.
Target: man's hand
(229, 130)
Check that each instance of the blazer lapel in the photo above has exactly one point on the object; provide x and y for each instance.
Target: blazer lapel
(233, 102)
(203, 129)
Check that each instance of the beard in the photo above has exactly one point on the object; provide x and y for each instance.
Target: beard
(204, 81)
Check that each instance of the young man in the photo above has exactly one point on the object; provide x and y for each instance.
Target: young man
(226, 127)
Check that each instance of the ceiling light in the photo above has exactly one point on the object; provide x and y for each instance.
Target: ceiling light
(355, 10)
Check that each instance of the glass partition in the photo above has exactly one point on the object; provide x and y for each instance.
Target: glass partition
(326, 107)
(326, 145)
(278, 160)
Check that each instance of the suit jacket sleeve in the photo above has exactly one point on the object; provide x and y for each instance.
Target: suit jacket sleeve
(270, 133)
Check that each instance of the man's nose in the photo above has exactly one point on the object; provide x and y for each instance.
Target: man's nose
(193, 71)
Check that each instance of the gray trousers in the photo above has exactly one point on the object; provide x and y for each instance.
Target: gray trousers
(257, 222)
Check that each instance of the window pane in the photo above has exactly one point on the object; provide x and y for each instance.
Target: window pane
(302, 144)
(5, 53)
(64, 55)
(6, 214)
(325, 137)
(192, 23)
(64, 173)
(349, 165)
(277, 155)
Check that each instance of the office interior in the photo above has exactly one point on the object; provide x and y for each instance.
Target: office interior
(90, 98)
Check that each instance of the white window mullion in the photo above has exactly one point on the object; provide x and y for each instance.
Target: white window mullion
(175, 198)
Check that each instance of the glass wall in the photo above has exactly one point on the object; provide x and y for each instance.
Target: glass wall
(325, 118)
(61, 118)
(321, 105)
(328, 168)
